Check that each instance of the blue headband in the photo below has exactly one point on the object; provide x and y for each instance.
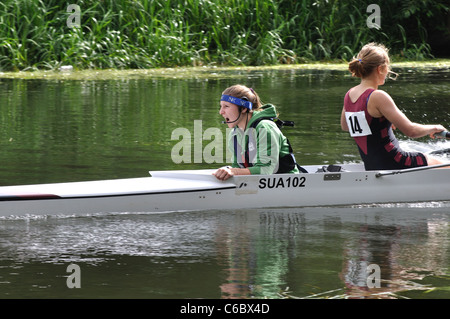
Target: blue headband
(237, 101)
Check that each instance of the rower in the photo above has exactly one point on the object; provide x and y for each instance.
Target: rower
(370, 114)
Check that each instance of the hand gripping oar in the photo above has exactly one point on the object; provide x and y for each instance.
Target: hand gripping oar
(443, 134)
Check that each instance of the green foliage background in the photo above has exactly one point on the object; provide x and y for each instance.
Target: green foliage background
(164, 33)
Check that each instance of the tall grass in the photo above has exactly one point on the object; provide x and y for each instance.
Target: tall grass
(164, 33)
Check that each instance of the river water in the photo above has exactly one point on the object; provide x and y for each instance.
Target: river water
(64, 129)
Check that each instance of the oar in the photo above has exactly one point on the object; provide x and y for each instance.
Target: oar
(440, 152)
(410, 170)
(443, 134)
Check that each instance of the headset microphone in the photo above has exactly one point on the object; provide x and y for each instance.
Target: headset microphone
(229, 122)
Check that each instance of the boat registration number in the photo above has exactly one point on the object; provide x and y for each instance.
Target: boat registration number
(282, 182)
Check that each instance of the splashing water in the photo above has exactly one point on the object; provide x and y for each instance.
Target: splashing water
(439, 148)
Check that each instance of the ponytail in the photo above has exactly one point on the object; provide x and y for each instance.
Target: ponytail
(356, 68)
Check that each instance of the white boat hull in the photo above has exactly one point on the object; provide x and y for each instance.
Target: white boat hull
(199, 190)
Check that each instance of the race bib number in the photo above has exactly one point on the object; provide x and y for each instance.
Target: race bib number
(357, 124)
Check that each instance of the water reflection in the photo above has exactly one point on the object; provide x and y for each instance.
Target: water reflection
(236, 255)
(295, 250)
(404, 252)
(225, 254)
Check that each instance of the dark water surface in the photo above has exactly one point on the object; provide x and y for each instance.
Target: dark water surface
(73, 130)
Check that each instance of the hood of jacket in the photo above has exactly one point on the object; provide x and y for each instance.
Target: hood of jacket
(267, 110)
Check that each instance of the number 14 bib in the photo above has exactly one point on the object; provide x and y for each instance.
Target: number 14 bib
(357, 124)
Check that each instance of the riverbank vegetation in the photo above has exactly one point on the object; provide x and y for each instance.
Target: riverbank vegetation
(142, 34)
(209, 72)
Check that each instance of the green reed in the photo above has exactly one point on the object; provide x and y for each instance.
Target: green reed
(165, 33)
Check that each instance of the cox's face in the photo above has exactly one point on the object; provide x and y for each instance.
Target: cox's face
(230, 113)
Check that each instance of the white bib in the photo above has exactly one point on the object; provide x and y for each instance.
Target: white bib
(357, 124)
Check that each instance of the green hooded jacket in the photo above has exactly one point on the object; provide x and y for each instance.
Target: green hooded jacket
(271, 144)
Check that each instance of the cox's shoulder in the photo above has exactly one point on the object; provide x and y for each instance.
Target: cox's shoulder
(266, 123)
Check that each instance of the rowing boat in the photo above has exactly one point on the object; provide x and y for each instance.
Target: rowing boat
(188, 190)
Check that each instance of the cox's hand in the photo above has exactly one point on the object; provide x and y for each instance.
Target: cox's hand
(223, 173)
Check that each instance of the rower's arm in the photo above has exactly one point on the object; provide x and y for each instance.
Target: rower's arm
(381, 104)
(344, 125)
